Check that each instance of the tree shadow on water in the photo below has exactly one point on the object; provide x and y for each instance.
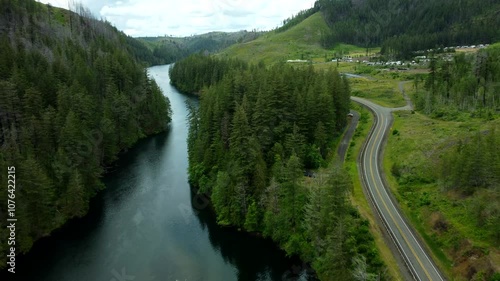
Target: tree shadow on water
(255, 257)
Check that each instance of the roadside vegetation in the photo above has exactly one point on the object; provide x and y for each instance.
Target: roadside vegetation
(432, 181)
(358, 198)
(384, 92)
(443, 163)
(463, 115)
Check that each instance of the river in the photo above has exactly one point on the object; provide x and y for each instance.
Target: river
(148, 225)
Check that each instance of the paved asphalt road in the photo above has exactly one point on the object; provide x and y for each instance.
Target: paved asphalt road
(409, 247)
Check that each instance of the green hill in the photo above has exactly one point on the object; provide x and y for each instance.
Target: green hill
(302, 41)
(403, 26)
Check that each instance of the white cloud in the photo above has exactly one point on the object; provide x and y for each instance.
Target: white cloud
(187, 17)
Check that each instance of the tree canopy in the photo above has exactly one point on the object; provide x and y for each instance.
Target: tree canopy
(73, 96)
(255, 133)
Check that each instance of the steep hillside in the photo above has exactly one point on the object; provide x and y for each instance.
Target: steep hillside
(301, 41)
(403, 26)
(399, 27)
(72, 97)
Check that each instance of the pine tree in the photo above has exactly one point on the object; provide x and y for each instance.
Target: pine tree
(221, 197)
(252, 218)
(240, 142)
(321, 139)
(74, 201)
(38, 193)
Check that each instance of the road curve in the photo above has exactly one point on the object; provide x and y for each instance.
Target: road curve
(412, 252)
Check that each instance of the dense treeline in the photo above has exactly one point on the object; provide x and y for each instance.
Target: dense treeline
(193, 73)
(250, 141)
(468, 83)
(72, 97)
(403, 26)
(296, 19)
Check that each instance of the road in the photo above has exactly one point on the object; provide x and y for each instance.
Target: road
(410, 248)
(346, 139)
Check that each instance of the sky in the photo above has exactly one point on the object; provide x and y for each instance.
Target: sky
(189, 17)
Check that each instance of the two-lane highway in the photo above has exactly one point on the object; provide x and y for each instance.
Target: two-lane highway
(416, 259)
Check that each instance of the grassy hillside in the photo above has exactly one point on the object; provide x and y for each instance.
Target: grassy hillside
(301, 41)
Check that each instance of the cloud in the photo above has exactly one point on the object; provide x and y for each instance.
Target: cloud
(187, 17)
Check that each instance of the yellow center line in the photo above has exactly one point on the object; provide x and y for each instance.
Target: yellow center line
(390, 214)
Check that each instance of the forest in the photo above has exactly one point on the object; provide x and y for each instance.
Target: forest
(401, 27)
(252, 140)
(73, 96)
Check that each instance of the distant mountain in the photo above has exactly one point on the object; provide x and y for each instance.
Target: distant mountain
(73, 94)
(297, 39)
(403, 26)
(170, 49)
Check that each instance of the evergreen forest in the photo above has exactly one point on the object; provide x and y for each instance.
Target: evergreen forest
(252, 140)
(73, 96)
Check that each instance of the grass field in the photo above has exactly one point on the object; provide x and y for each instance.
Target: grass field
(383, 92)
(299, 42)
(442, 218)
